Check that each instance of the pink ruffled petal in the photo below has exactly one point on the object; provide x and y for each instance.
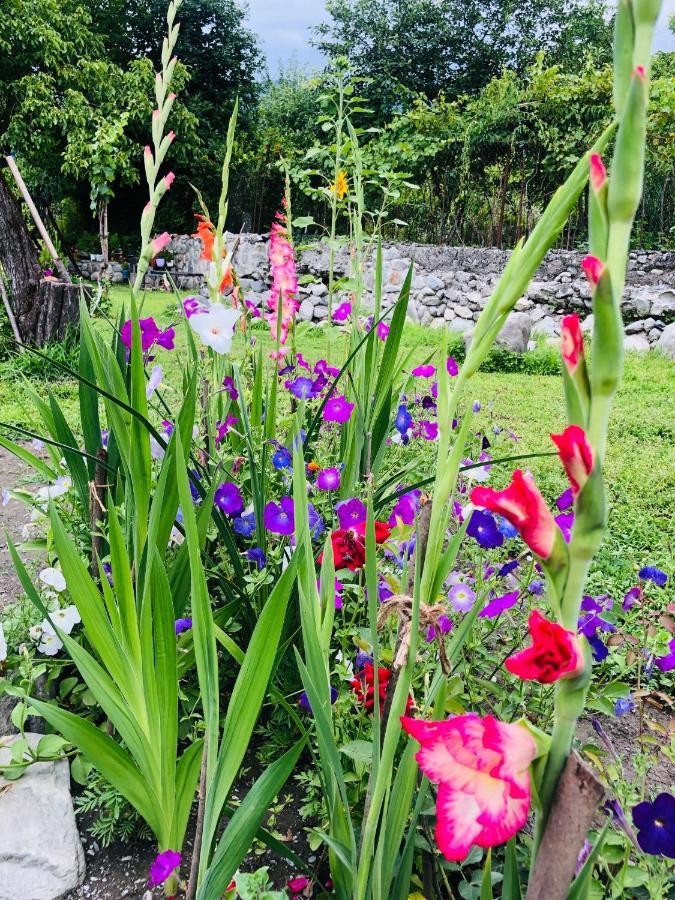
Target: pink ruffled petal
(457, 827)
(497, 830)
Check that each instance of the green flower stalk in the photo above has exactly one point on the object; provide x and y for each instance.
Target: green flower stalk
(613, 202)
(154, 156)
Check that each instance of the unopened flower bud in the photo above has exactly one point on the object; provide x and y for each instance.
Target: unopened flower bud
(598, 172)
(168, 180)
(160, 242)
(593, 268)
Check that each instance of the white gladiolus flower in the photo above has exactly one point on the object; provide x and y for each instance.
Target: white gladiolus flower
(215, 328)
(53, 578)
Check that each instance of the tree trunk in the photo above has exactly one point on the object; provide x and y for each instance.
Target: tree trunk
(103, 233)
(42, 308)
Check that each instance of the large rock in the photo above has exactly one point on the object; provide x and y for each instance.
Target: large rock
(41, 855)
(306, 311)
(516, 332)
(638, 343)
(664, 305)
(666, 343)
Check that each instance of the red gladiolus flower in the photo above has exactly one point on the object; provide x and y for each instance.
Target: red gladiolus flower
(555, 653)
(349, 545)
(523, 506)
(576, 455)
(598, 172)
(364, 687)
(571, 342)
(593, 267)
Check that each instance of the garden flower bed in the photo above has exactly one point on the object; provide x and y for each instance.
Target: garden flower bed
(322, 604)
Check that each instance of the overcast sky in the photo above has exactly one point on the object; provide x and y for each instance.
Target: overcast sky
(283, 27)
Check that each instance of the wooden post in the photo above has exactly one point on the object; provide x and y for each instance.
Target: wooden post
(58, 262)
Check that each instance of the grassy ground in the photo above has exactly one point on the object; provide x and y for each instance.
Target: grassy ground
(640, 465)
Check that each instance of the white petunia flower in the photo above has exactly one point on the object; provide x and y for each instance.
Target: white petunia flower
(53, 578)
(66, 619)
(3, 644)
(6, 497)
(215, 328)
(154, 381)
(35, 632)
(60, 487)
(50, 644)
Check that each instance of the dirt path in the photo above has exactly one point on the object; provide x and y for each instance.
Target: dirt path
(13, 516)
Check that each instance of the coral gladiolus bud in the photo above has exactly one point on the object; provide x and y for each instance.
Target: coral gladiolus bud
(640, 72)
(160, 242)
(147, 151)
(555, 653)
(593, 267)
(523, 506)
(171, 97)
(168, 180)
(155, 114)
(576, 455)
(571, 342)
(170, 136)
(482, 770)
(598, 172)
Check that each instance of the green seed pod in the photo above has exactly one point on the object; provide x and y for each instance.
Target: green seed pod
(624, 42)
(607, 339)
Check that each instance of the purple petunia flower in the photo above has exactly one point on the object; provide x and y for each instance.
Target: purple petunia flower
(255, 555)
(624, 705)
(507, 568)
(565, 521)
(223, 428)
(166, 339)
(405, 509)
(655, 823)
(361, 659)
(302, 388)
(228, 499)
(536, 587)
(279, 518)
(483, 527)
(281, 458)
(651, 573)
(451, 367)
(429, 430)
(403, 419)
(499, 605)
(443, 626)
(342, 312)
(328, 479)
(476, 406)
(667, 663)
(193, 306)
(426, 371)
(337, 409)
(322, 368)
(565, 500)
(230, 389)
(631, 597)
(163, 866)
(598, 649)
(244, 525)
(316, 526)
(350, 513)
(461, 597)
(339, 587)
(305, 704)
(104, 438)
(183, 625)
(382, 331)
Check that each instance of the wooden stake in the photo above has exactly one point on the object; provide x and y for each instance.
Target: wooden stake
(58, 262)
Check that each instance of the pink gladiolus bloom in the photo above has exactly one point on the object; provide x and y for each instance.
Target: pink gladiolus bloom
(598, 172)
(164, 865)
(571, 342)
(554, 653)
(282, 302)
(593, 267)
(274, 355)
(481, 766)
(523, 506)
(160, 242)
(169, 180)
(576, 455)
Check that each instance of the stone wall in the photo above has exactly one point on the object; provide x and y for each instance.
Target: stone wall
(451, 285)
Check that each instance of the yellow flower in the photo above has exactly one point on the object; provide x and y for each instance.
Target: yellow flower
(341, 185)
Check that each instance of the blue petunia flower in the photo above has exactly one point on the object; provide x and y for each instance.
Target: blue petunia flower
(403, 420)
(483, 527)
(651, 573)
(655, 823)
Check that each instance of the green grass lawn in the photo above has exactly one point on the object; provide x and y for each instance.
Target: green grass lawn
(640, 464)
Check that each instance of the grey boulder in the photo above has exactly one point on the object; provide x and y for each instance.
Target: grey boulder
(666, 343)
(41, 856)
(516, 333)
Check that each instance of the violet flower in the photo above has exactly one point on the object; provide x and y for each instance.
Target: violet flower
(228, 499)
(279, 518)
(163, 867)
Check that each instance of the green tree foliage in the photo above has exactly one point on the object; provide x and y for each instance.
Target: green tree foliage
(454, 46)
